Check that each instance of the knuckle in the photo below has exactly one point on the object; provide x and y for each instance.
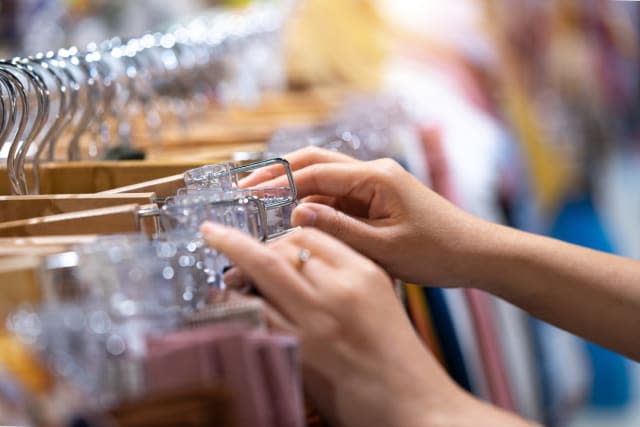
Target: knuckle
(331, 226)
(388, 168)
(315, 174)
(314, 152)
(336, 224)
(308, 234)
(303, 236)
(324, 327)
(316, 169)
(268, 260)
(347, 295)
(372, 272)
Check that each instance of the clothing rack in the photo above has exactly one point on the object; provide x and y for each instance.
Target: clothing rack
(63, 112)
(80, 104)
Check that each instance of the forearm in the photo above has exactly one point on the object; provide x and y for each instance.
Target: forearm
(592, 294)
(418, 396)
(472, 413)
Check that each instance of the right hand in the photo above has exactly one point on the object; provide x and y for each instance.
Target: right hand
(380, 210)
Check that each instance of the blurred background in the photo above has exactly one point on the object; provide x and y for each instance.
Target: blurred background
(534, 107)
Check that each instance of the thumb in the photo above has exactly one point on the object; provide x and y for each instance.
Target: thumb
(355, 232)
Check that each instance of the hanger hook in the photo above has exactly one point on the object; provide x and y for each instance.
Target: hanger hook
(21, 107)
(42, 115)
(64, 64)
(90, 109)
(49, 66)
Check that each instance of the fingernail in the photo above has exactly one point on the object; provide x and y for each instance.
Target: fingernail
(304, 216)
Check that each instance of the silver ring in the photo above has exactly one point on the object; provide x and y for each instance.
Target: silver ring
(303, 256)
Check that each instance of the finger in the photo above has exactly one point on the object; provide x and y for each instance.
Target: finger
(319, 264)
(277, 322)
(235, 279)
(322, 247)
(276, 279)
(310, 155)
(261, 175)
(336, 180)
(355, 181)
(324, 200)
(297, 160)
(355, 232)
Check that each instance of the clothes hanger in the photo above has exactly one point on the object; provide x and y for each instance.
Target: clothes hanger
(42, 115)
(62, 62)
(87, 65)
(97, 176)
(67, 89)
(9, 113)
(169, 185)
(61, 240)
(69, 63)
(110, 220)
(19, 283)
(20, 108)
(13, 208)
(39, 246)
(16, 71)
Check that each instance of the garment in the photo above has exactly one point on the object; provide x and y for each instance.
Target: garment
(463, 325)
(517, 343)
(422, 319)
(490, 349)
(447, 337)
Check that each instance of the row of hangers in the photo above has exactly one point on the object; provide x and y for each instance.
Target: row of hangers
(80, 103)
(188, 98)
(63, 111)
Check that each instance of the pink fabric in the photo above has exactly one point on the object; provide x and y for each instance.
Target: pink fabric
(260, 370)
(490, 349)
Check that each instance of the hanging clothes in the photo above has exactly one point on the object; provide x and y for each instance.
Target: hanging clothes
(422, 320)
(447, 337)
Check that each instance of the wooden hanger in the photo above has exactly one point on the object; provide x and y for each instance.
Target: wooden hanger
(19, 283)
(111, 220)
(40, 250)
(41, 245)
(238, 124)
(206, 154)
(86, 177)
(214, 140)
(162, 187)
(34, 279)
(13, 208)
(62, 240)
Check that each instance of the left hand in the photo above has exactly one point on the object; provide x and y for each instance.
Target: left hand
(362, 362)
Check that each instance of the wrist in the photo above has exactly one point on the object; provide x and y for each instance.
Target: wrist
(478, 254)
(497, 258)
(469, 251)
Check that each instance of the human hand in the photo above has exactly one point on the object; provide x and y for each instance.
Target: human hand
(362, 362)
(383, 212)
